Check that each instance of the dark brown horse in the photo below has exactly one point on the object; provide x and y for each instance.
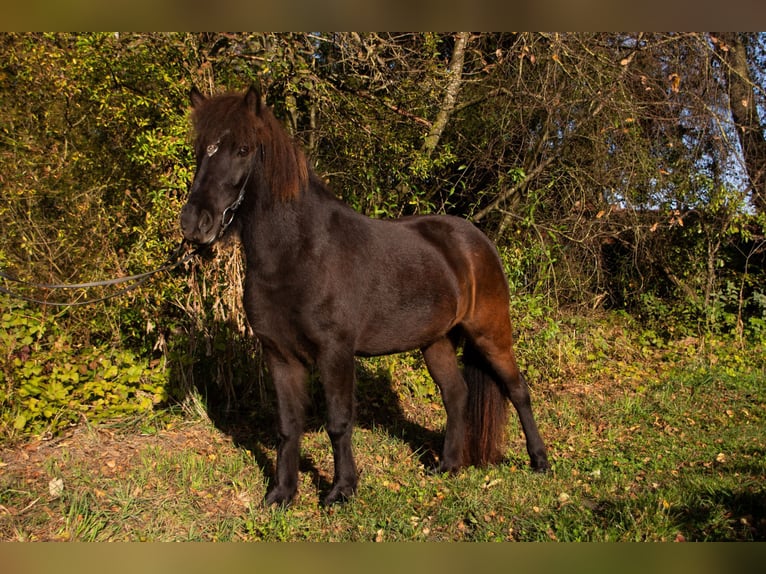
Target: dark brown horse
(325, 283)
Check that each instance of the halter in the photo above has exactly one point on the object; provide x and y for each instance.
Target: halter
(227, 217)
(228, 214)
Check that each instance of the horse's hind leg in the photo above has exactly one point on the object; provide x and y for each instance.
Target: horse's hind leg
(337, 372)
(498, 352)
(443, 366)
(519, 391)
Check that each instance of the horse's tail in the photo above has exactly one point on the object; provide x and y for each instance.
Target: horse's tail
(486, 411)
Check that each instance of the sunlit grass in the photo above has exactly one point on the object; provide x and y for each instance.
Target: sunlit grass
(671, 448)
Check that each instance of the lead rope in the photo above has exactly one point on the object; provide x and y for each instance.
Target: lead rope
(174, 260)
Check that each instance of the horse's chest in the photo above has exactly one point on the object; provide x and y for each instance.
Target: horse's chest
(278, 310)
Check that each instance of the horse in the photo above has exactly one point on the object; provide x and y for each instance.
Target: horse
(324, 283)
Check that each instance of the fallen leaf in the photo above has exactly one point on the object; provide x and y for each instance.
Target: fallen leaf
(492, 483)
(56, 487)
(551, 534)
(675, 82)
(244, 498)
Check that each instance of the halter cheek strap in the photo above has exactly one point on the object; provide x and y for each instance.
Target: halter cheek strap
(228, 214)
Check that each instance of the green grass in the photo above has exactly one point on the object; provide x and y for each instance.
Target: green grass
(667, 446)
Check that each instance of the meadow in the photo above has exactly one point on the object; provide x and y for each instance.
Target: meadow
(648, 442)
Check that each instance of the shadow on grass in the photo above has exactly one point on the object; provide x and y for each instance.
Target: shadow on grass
(238, 396)
(711, 514)
(724, 514)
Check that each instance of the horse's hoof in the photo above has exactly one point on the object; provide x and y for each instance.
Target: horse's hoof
(279, 497)
(339, 495)
(450, 469)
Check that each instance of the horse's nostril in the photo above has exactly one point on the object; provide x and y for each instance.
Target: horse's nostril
(205, 221)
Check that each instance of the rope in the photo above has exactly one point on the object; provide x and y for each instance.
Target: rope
(174, 260)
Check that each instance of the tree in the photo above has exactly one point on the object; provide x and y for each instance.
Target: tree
(597, 162)
(737, 53)
(604, 166)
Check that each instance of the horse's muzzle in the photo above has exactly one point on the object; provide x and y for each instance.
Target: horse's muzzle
(197, 224)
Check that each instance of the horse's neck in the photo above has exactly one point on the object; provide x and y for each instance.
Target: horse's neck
(273, 230)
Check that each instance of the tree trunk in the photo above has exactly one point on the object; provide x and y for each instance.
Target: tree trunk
(455, 73)
(732, 48)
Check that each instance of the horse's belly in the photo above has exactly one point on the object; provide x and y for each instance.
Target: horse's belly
(407, 328)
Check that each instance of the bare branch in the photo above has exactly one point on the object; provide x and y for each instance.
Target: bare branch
(506, 194)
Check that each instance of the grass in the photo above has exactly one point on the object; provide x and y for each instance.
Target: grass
(646, 445)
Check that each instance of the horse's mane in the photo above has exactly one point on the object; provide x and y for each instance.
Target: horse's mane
(252, 123)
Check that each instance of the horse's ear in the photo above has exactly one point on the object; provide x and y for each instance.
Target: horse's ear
(254, 100)
(196, 97)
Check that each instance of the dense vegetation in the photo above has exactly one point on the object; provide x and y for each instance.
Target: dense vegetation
(621, 175)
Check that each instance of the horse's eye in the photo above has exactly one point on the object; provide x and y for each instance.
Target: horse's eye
(243, 151)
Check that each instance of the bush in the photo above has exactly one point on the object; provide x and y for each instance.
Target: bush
(49, 382)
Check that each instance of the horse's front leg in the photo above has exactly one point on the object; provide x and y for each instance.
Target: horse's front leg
(289, 376)
(337, 372)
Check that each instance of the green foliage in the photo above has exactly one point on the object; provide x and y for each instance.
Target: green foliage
(409, 373)
(719, 285)
(96, 161)
(48, 382)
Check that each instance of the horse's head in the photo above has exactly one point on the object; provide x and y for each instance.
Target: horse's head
(238, 141)
(224, 147)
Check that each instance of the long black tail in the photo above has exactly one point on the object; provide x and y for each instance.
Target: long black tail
(486, 411)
